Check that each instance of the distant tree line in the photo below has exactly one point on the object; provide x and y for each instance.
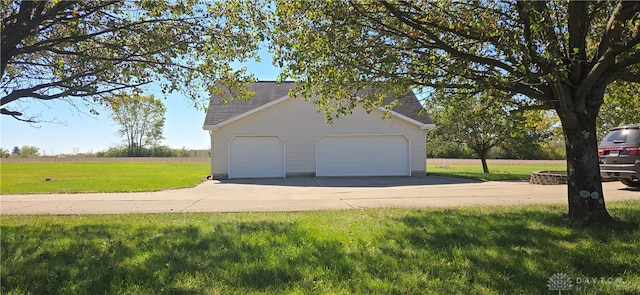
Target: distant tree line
(153, 151)
(119, 151)
(26, 151)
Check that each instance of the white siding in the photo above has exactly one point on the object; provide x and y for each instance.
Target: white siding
(299, 125)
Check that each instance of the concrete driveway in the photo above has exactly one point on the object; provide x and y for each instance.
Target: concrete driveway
(299, 194)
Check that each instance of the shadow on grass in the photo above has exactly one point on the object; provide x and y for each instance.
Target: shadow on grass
(517, 252)
(485, 176)
(445, 251)
(95, 259)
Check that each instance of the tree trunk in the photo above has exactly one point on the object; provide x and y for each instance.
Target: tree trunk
(485, 167)
(483, 152)
(586, 199)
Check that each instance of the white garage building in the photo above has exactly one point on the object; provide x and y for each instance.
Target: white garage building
(273, 135)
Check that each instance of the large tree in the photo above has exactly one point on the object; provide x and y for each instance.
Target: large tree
(557, 55)
(84, 51)
(141, 120)
(479, 121)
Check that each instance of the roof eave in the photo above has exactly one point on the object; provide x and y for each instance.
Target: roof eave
(420, 125)
(245, 114)
(211, 127)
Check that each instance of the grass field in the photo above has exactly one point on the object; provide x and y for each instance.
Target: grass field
(93, 177)
(498, 171)
(474, 250)
(477, 250)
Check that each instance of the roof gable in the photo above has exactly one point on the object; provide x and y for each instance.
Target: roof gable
(269, 93)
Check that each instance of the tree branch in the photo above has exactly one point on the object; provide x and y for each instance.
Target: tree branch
(16, 115)
(578, 27)
(70, 91)
(439, 44)
(615, 26)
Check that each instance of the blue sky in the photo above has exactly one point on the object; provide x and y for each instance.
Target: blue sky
(82, 132)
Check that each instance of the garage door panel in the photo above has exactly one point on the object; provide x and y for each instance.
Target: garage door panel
(362, 156)
(256, 157)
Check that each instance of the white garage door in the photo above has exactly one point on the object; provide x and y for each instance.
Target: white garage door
(256, 157)
(362, 155)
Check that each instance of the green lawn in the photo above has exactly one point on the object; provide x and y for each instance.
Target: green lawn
(93, 177)
(477, 250)
(90, 177)
(498, 171)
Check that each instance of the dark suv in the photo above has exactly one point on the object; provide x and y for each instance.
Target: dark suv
(619, 154)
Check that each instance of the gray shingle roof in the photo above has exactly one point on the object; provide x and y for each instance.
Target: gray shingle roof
(268, 91)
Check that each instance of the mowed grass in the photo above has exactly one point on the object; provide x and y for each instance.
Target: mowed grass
(498, 172)
(472, 250)
(95, 177)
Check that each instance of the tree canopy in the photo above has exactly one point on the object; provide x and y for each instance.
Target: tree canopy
(557, 55)
(481, 122)
(141, 120)
(621, 106)
(530, 48)
(84, 51)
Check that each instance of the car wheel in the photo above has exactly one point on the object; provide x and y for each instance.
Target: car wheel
(631, 182)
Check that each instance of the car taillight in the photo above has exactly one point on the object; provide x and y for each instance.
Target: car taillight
(600, 152)
(631, 150)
